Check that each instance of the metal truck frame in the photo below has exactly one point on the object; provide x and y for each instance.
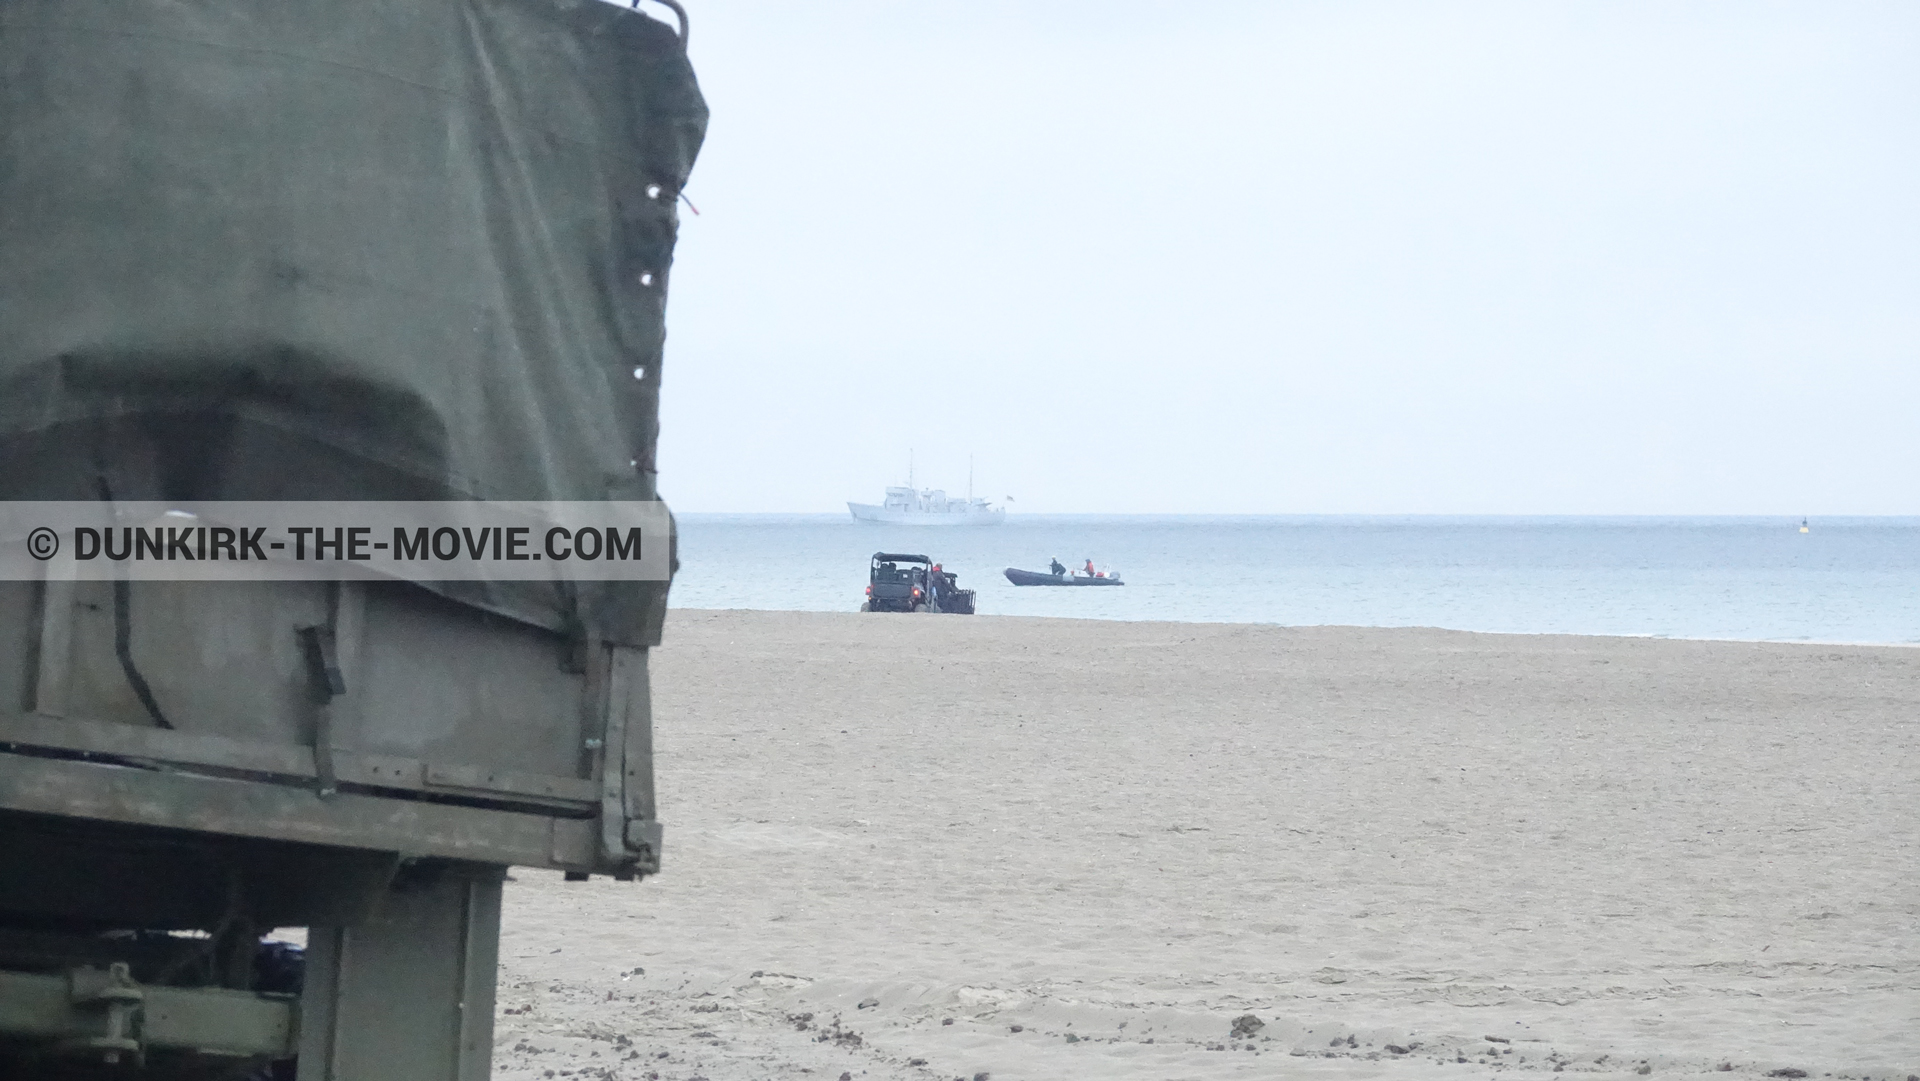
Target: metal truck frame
(388, 755)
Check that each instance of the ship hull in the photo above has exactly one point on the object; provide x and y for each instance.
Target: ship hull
(870, 512)
(1036, 578)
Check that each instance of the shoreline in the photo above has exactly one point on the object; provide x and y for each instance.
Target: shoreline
(1730, 582)
(1350, 627)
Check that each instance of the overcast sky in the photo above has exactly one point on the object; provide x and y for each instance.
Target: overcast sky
(1263, 257)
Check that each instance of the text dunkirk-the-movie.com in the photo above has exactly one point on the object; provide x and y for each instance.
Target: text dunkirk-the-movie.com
(242, 541)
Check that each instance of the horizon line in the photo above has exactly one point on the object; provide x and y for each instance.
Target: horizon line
(1511, 515)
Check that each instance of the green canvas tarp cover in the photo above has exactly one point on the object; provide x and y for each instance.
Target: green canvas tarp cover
(342, 249)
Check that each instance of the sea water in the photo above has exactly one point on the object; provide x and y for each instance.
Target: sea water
(1843, 580)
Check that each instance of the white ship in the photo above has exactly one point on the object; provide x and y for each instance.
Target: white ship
(928, 506)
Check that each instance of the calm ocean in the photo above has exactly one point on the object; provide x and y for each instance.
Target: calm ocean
(1846, 580)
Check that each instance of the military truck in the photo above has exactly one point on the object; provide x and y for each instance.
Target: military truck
(299, 252)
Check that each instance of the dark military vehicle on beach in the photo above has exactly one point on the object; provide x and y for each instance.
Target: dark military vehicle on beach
(319, 251)
(904, 582)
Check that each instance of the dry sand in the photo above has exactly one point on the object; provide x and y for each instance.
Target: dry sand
(930, 847)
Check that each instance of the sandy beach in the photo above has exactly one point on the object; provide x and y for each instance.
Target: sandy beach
(925, 847)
